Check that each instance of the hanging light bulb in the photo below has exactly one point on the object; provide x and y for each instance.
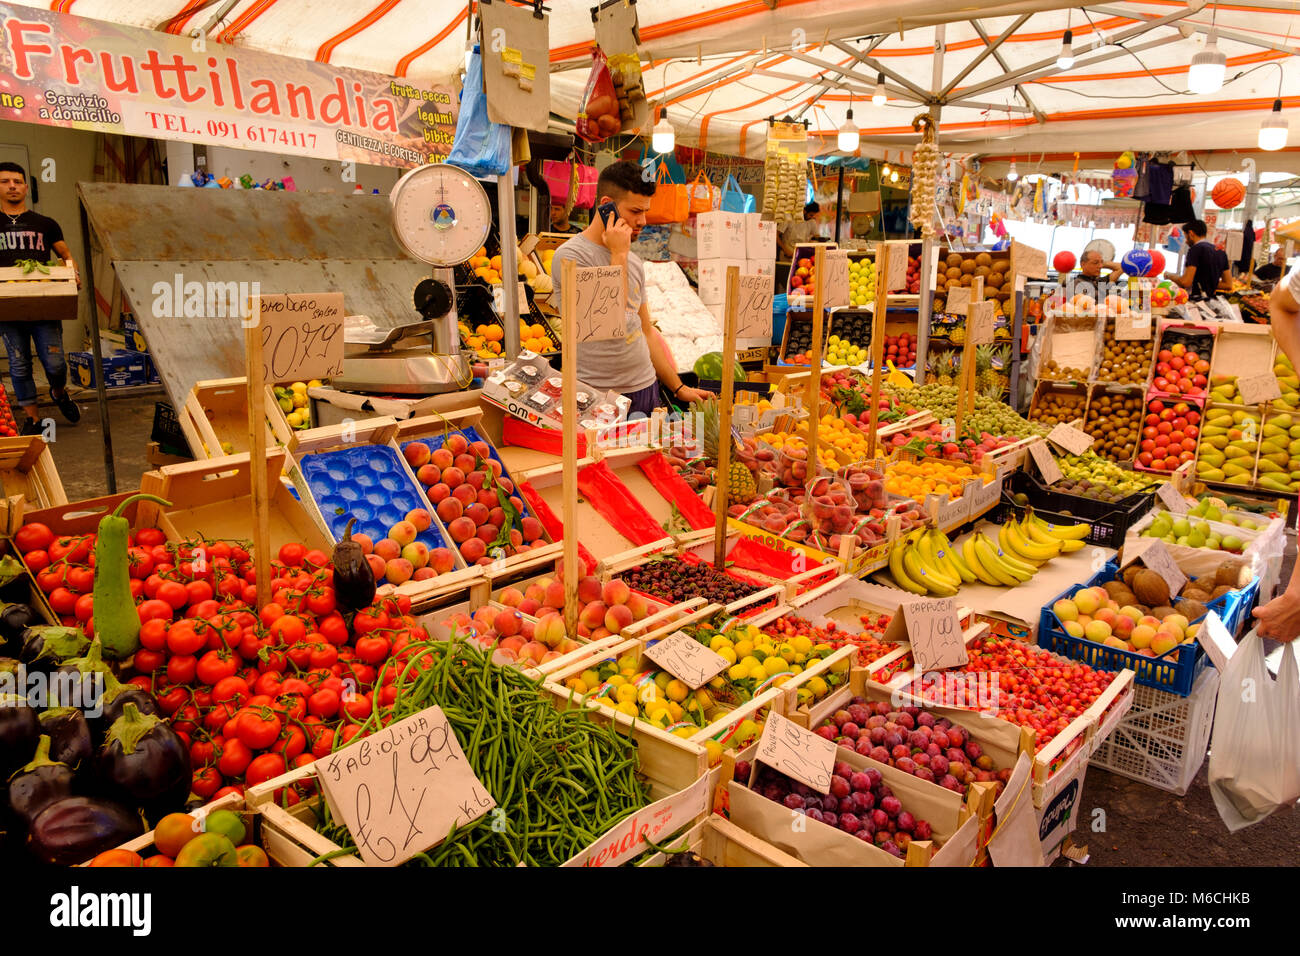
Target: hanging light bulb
(878, 96)
(1206, 72)
(1273, 131)
(662, 137)
(1012, 175)
(893, 177)
(884, 170)
(849, 137)
(1065, 59)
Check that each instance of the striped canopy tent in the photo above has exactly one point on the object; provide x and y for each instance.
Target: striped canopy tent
(721, 69)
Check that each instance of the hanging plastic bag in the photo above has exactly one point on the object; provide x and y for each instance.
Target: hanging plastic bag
(559, 178)
(1255, 751)
(735, 199)
(586, 189)
(670, 203)
(598, 119)
(703, 194)
(481, 147)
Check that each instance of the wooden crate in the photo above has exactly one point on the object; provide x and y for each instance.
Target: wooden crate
(214, 500)
(144, 844)
(27, 469)
(218, 410)
(38, 296)
(722, 843)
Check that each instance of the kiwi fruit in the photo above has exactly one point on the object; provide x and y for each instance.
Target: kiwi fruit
(1130, 573)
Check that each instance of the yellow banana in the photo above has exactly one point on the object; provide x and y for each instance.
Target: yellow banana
(926, 560)
(1021, 570)
(988, 558)
(1012, 541)
(952, 557)
(938, 586)
(939, 557)
(1070, 545)
(1033, 532)
(1066, 532)
(1051, 547)
(899, 572)
(972, 559)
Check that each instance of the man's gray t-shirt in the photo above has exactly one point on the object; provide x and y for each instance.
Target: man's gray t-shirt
(620, 365)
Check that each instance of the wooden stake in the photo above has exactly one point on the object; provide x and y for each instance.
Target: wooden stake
(722, 483)
(257, 451)
(966, 393)
(569, 346)
(813, 399)
(878, 341)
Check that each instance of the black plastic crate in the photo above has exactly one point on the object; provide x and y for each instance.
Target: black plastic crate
(1108, 521)
(167, 431)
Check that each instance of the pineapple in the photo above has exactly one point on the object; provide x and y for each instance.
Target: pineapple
(947, 367)
(985, 377)
(958, 334)
(1002, 366)
(740, 484)
(740, 480)
(709, 426)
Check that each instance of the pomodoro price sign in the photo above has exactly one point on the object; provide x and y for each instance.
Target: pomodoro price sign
(63, 70)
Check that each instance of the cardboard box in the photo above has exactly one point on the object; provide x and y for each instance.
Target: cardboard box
(712, 275)
(721, 235)
(121, 369)
(133, 337)
(760, 237)
(761, 267)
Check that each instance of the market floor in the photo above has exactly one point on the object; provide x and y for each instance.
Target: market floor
(1141, 826)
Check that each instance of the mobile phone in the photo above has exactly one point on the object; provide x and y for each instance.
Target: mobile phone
(608, 214)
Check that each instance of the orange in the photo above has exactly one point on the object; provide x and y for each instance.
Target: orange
(173, 832)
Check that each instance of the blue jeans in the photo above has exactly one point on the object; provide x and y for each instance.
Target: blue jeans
(644, 400)
(49, 348)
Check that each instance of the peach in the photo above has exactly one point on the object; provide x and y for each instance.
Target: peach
(449, 509)
(503, 657)
(531, 527)
(475, 479)
(364, 540)
(1066, 610)
(534, 651)
(497, 515)
(399, 571)
(442, 560)
(488, 532)
(403, 533)
(388, 549)
(438, 493)
(378, 566)
(442, 459)
(593, 615)
(513, 643)
(600, 632)
(496, 468)
(1087, 602)
(639, 606)
(1150, 621)
(1130, 611)
(516, 539)
(536, 543)
(417, 552)
(428, 475)
(1097, 631)
(507, 485)
(417, 454)
(1106, 614)
(461, 530)
(453, 477)
(535, 593)
(481, 449)
(456, 444)
(507, 623)
(616, 592)
(1163, 642)
(555, 595)
(511, 597)
(1074, 628)
(476, 513)
(1117, 642)
(583, 630)
(527, 629)
(618, 617)
(488, 499)
(465, 463)
(424, 574)
(1123, 626)
(420, 518)
(1177, 620)
(464, 494)
(550, 630)
(550, 656)
(589, 590)
(473, 550)
(568, 646)
(1142, 636)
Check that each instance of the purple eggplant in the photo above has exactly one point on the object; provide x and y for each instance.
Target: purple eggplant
(75, 829)
(19, 732)
(114, 705)
(144, 763)
(38, 784)
(70, 740)
(14, 619)
(85, 679)
(43, 648)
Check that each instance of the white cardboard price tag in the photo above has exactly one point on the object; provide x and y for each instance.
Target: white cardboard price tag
(958, 300)
(1258, 389)
(1172, 498)
(934, 633)
(896, 277)
(835, 284)
(754, 307)
(1216, 640)
(302, 336)
(1133, 327)
(797, 753)
(687, 659)
(1041, 452)
(984, 496)
(1071, 439)
(601, 295)
(1153, 553)
(980, 317)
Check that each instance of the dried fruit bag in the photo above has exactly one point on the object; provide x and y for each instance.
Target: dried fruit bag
(598, 119)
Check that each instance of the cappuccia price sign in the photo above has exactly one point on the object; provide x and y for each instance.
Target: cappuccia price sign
(63, 70)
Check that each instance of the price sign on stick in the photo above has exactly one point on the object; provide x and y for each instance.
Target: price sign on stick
(1133, 327)
(980, 318)
(836, 281)
(754, 308)
(1172, 498)
(1153, 553)
(1047, 466)
(935, 633)
(958, 300)
(400, 791)
(798, 753)
(602, 303)
(1073, 440)
(1258, 389)
(1028, 261)
(687, 659)
(302, 336)
(896, 278)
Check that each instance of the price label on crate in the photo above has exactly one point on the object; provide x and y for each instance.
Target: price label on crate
(687, 659)
(400, 790)
(601, 295)
(302, 336)
(1258, 389)
(790, 749)
(754, 307)
(1214, 637)
(1041, 452)
(1172, 498)
(958, 300)
(896, 277)
(1153, 553)
(1073, 440)
(931, 625)
(1133, 327)
(984, 496)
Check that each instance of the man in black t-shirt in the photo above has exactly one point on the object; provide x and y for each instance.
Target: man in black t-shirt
(1275, 269)
(1204, 266)
(28, 235)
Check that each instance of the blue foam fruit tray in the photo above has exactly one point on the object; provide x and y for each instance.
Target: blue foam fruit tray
(368, 483)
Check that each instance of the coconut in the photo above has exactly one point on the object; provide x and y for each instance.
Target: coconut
(1160, 613)
(1192, 610)
(1229, 572)
(1220, 591)
(1130, 573)
(1150, 587)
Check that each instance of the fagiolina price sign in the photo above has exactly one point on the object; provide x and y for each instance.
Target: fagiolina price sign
(302, 335)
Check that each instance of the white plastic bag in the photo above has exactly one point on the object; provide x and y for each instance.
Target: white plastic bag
(1255, 751)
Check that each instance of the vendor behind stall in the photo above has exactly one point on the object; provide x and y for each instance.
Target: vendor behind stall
(795, 234)
(1275, 269)
(1090, 280)
(634, 366)
(1205, 264)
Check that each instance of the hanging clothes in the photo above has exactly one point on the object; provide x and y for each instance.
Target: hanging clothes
(1160, 182)
(1247, 246)
(1141, 187)
(1180, 205)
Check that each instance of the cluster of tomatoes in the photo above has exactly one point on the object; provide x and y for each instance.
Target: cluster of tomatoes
(8, 427)
(253, 694)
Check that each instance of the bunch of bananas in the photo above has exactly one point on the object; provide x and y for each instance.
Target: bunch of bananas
(924, 561)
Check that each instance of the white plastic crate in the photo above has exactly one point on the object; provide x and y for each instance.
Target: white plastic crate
(1163, 740)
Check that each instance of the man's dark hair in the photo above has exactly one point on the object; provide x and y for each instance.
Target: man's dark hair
(1197, 226)
(812, 209)
(622, 177)
(13, 168)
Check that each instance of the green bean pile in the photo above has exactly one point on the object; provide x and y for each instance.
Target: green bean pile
(560, 778)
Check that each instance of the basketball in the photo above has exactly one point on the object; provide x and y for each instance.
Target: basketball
(1063, 261)
(1228, 193)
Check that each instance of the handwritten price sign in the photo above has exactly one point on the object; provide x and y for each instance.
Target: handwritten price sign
(935, 633)
(798, 753)
(302, 336)
(400, 791)
(836, 282)
(754, 308)
(601, 293)
(687, 659)
(1047, 466)
(980, 317)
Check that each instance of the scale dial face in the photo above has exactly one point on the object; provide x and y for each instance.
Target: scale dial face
(441, 214)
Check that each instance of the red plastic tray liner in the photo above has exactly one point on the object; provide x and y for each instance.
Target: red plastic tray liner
(755, 556)
(554, 527)
(614, 502)
(517, 432)
(674, 489)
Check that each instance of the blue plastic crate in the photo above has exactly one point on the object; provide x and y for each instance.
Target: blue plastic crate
(368, 483)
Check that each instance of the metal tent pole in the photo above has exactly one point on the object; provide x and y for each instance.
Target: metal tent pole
(97, 350)
(839, 202)
(928, 251)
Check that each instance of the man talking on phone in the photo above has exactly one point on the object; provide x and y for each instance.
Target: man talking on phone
(633, 366)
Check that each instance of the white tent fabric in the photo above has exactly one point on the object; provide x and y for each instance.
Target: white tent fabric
(723, 68)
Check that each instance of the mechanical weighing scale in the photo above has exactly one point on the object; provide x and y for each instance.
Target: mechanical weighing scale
(440, 216)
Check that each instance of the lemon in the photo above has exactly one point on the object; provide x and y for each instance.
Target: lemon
(590, 678)
(746, 731)
(817, 687)
(727, 654)
(796, 669)
(714, 750)
(781, 679)
(805, 695)
(758, 672)
(628, 663)
(738, 671)
(626, 693)
(743, 648)
(719, 640)
(298, 387)
(675, 710)
(576, 685)
(787, 652)
(750, 661)
(842, 666)
(774, 666)
(605, 702)
(717, 683)
(617, 680)
(657, 712)
(677, 691)
(686, 732)
(703, 698)
(662, 679)
(315, 383)
(627, 707)
(648, 694)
